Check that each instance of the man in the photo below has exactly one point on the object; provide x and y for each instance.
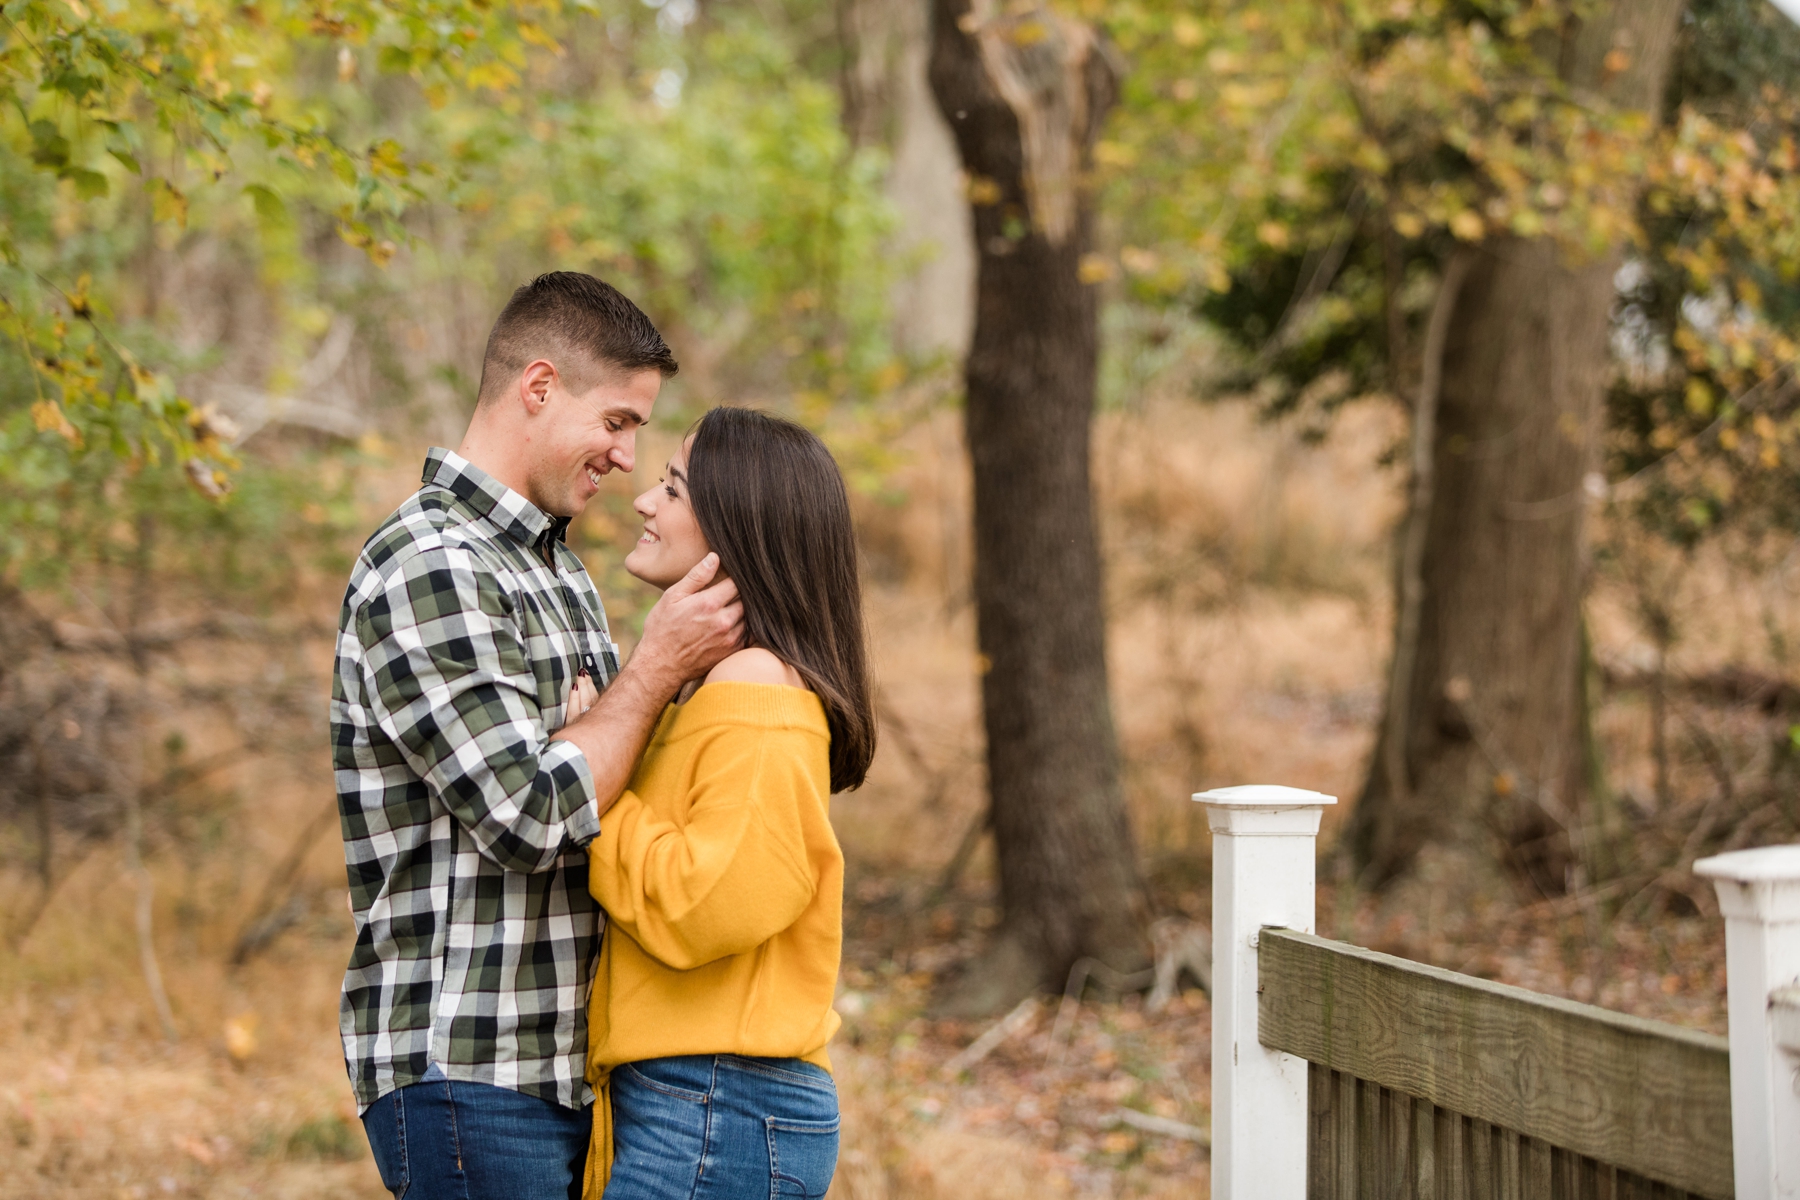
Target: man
(472, 770)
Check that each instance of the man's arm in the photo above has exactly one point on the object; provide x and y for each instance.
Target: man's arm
(447, 677)
(689, 630)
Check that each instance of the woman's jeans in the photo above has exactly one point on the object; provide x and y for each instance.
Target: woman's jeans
(722, 1127)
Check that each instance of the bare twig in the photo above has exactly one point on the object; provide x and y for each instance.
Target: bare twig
(1070, 1005)
(1008, 1026)
(275, 909)
(146, 898)
(1165, 1126)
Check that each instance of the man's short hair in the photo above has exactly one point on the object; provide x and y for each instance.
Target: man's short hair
(584, 326)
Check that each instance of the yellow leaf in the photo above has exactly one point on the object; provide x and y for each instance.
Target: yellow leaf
(1770, 456)
(1273, 234)
(1094, 268)
(1699, 397)
(49, 417)
(167, 203)
(1467, 225)
(1119, 1142)
(494, 76)
(240, 1031)
(983, 191)
(1728, 439)
(1186, 31)
(1139, 261)
(1114, 154)
(1409, 225)
(537, 37)
(208, 482)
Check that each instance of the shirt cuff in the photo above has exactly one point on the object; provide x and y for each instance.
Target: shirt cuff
(574, 785)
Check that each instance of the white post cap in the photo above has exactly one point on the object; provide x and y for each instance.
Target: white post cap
(1266, 810)
(1267, 795)
(1761, 884)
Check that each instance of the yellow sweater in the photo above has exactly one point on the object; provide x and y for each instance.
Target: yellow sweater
(723, 886)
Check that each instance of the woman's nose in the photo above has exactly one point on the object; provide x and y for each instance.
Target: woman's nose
(645, 504)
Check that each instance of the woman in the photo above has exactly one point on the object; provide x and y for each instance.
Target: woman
(718, 868)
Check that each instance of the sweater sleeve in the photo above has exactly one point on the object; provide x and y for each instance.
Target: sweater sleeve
(735, 875)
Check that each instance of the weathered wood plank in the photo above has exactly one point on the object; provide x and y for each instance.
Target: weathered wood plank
(1344, 1133)
(1321, 1158)
(1425, 1173)
(1370, 1170)
(1649, 1097)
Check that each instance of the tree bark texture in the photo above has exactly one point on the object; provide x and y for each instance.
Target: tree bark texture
(1492, 729)
(1024, 93)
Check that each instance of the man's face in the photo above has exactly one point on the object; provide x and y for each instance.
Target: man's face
(575, 439)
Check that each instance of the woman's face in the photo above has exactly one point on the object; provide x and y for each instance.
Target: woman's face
(672, 544)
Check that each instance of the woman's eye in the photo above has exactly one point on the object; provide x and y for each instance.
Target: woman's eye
(670, 488)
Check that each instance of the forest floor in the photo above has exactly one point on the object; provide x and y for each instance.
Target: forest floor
(1249, 627)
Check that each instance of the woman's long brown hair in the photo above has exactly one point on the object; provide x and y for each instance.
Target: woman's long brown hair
(771, 502)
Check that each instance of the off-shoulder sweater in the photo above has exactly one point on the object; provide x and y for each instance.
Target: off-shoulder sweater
(723, 887)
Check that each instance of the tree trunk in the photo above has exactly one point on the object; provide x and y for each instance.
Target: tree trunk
(1483, 741)
(1024, 94)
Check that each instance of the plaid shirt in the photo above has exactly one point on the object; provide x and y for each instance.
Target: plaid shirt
(464, 825)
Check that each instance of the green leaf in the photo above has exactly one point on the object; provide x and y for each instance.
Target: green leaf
(49, 148)
(90, 185)
(127, 160)
(271, 209)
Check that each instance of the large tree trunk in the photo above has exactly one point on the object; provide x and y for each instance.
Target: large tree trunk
(1484, 740)
(1024, 93)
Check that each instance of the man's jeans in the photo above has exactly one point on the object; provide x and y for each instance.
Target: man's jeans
(722, 1127)
(450, 1140)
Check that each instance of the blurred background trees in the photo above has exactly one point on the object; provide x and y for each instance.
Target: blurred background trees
(248, 254)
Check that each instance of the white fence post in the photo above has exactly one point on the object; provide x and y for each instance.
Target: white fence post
(1263, 847)
(1759, 893)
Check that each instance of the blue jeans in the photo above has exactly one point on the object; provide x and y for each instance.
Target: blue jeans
(722, 1127)
(450, 1140)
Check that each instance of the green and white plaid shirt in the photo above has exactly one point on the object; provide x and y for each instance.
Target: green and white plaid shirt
(464, 825)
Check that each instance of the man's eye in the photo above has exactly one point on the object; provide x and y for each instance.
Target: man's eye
(613, 427)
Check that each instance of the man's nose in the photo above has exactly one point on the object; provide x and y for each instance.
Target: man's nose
(624, 451)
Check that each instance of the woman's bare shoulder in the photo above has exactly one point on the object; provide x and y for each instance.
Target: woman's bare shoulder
(754, 665)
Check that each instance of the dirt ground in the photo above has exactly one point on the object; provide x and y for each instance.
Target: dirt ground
(1249, 618)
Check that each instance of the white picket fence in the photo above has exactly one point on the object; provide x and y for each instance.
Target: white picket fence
(1263, 855)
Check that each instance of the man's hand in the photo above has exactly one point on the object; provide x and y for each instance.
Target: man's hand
(691, 628)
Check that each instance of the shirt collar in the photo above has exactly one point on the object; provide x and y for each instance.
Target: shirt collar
(519, 517)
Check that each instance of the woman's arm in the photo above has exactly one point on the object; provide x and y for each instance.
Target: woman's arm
(737, 873)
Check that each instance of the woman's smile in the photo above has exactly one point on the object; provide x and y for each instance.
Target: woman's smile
(671, 543)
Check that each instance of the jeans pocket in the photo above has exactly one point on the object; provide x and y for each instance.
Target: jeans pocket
(385, 1123)
(802, 1156)
(666, 1075)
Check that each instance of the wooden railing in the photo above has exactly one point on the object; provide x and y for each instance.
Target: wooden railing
(1426, 1083)
(1344, 1074)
